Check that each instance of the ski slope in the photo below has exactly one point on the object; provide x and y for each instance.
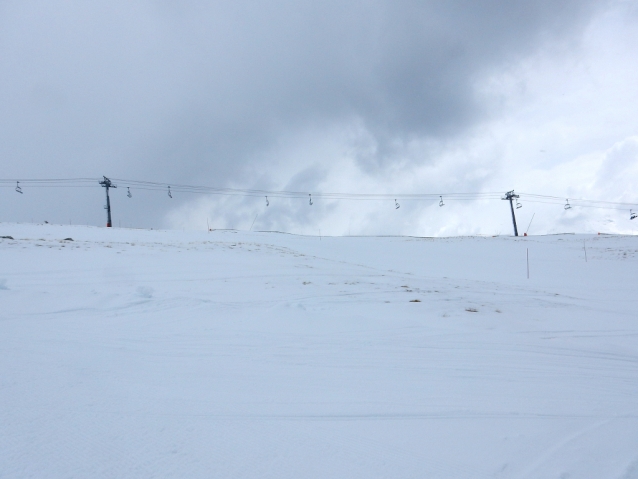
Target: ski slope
(170, 354)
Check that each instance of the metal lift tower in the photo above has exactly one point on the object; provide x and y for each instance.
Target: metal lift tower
(106, 183)
(510, 196)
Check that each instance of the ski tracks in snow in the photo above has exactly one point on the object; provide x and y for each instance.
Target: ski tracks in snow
(170, 354)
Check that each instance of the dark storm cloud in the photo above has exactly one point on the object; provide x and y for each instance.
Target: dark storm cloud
(195, 91)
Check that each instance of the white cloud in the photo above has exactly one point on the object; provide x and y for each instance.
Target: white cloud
(562, 122)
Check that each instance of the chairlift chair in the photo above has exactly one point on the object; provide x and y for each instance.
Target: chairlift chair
(518, 205)
(441, 202)
(169, 192)
(396, 205)
(128, 192)
(567, 205)
(632, 215)
(18, 189)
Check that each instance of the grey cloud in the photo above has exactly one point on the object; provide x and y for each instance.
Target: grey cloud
(196, 92)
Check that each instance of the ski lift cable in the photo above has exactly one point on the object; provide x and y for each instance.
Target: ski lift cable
(298, 194)
(560, 199)
(81, 182)
(575, 205)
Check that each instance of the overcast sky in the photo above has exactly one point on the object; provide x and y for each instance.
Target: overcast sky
(336, 96)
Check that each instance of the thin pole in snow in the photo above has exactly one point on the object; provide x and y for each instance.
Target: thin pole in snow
(585, 248)
(527, 263)
(251, 226)
(530, 223)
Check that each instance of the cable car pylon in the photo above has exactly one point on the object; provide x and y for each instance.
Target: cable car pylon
(106, 183)
(511, 196)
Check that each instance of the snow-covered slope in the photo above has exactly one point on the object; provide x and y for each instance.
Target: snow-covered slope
(130, 353)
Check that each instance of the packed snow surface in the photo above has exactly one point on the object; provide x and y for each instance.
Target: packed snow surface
(136, 353)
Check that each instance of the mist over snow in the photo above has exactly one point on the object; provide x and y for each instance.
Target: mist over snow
(351, 97)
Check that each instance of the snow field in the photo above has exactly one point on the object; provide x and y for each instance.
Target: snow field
(131, 353)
